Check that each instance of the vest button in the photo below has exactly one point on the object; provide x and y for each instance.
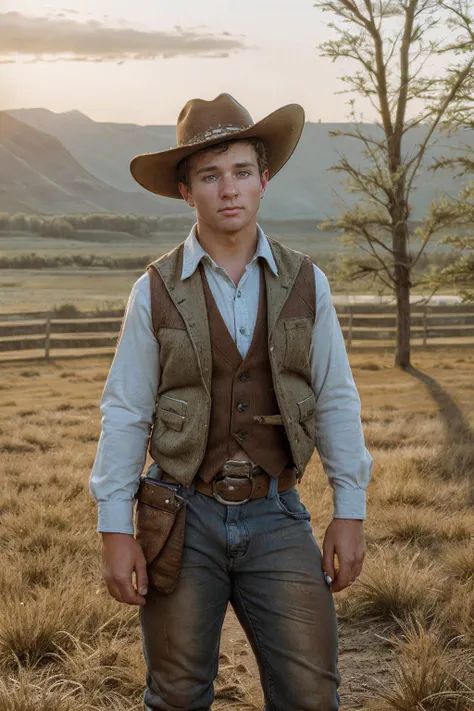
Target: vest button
(242, 406)
(244, 377)
(242, 435)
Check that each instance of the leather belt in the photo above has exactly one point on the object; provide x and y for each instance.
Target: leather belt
(238, 482)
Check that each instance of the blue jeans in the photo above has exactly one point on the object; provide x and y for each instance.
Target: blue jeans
(262, 558)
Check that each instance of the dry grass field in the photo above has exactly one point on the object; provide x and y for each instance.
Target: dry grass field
(406, 626)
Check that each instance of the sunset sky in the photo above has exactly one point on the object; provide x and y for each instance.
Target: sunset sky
(139, 61)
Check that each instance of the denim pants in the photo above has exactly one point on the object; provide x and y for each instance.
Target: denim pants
(262, 558)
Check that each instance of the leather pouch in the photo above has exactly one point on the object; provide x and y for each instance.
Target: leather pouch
(160, 529)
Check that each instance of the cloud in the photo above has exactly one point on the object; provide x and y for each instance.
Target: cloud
(43, 38)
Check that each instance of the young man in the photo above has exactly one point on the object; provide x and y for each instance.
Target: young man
(231, 356)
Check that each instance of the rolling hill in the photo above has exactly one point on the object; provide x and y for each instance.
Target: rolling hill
(38, 174)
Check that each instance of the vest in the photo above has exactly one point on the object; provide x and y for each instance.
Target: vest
(242, 396)
(184, 406)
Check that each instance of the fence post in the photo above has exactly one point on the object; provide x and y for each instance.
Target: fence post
(349, 335)
(425, 327)
(47, 339)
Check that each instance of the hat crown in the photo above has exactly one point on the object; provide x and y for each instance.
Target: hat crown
(201, 120)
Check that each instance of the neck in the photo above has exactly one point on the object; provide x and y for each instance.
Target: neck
(229, 249)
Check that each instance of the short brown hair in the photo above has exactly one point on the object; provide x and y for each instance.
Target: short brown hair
(183, 166)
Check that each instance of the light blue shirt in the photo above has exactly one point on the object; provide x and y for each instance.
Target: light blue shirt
(128, 400)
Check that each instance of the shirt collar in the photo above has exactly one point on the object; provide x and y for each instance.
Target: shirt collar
(193, 253)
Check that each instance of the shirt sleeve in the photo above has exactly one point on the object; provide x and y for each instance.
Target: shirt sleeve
(339, 436)
(127, 406)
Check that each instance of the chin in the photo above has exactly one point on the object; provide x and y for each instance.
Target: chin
(234, 224)
(234, 230)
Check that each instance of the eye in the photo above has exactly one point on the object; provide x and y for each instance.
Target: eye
(244, 173)
(209, 178)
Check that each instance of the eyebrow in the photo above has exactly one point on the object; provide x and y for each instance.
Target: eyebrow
(208, 168)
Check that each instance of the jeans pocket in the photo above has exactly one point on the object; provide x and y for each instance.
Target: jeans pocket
(290, 504)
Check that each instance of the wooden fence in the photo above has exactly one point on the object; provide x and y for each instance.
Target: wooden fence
(365, 326)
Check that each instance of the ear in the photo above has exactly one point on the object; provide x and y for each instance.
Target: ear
(186, 193)
(264, 182)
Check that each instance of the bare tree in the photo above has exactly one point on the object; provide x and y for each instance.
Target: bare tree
(392, 41)
(458, 212)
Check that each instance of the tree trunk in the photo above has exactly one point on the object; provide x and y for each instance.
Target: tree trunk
(402, 349)
(402, 276)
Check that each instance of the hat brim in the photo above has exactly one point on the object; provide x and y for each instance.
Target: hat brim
(280, 132)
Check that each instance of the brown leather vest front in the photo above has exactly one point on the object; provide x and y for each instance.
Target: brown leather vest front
(242, 389)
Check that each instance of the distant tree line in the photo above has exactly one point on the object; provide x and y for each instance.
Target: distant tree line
(48, 261)
(66, 225)
(334, 265)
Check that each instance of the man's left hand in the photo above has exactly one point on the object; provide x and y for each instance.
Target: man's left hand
(345, 538)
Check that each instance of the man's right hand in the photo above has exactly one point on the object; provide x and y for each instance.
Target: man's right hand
(121, 555)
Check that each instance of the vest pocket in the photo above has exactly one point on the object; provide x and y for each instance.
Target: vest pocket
(307, 412)
(298, 342)
(307, 407)
(171, 419)
(172, 412)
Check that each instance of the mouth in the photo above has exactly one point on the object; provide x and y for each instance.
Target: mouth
(230, 211)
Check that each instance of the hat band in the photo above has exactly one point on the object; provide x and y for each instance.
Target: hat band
(213, 133)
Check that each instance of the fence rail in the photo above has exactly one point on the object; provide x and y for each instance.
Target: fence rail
(363, 326)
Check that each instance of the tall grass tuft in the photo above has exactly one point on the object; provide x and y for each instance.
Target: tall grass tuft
(428, 675)
(392, 586)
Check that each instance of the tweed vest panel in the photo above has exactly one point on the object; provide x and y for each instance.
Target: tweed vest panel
(241, 393)
(179, 436)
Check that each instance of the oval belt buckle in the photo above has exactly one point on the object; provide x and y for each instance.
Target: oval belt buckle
(229, 478)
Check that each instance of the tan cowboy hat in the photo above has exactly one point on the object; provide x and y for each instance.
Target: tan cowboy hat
(203, 123)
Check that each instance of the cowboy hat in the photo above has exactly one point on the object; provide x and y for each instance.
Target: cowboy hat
(204, 123)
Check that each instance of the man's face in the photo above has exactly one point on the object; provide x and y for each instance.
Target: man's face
(225, 188)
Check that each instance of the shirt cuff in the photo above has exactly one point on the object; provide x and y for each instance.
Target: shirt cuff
(349, 503)
(116, 516)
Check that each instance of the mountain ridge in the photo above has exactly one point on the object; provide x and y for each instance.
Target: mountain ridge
(306, 188)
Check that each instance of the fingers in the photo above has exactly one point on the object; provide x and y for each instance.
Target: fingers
(343, 577)
(347, 574)
(123, 591)
(344, 540)
(142, 578)
(121, 557)
(328, 560)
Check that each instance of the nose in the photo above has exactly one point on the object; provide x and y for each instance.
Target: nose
(228, 187)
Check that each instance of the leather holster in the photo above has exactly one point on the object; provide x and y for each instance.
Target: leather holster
(160, 529)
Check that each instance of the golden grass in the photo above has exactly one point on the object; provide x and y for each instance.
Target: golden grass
(394, 584)
(66, 645)
(458, 562)
(429, 675)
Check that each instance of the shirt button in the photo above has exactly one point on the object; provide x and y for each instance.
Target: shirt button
(242, 406)
(239, 294)
(242, 435)
(243, 330)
